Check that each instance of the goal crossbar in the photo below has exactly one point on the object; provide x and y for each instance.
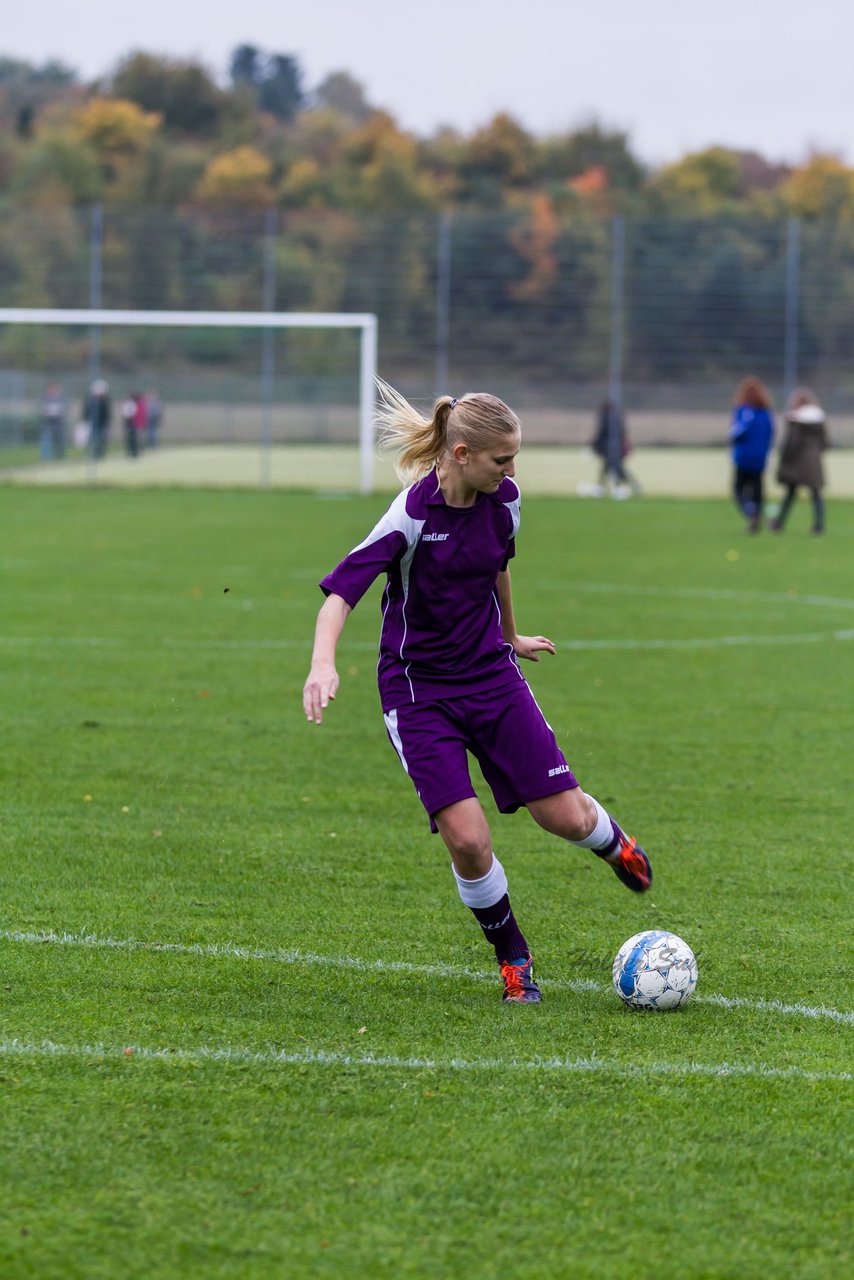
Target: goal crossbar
(364, 322)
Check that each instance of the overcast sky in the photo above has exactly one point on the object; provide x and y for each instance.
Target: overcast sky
(676, 75)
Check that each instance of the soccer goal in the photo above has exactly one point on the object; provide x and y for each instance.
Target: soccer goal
(261, 403)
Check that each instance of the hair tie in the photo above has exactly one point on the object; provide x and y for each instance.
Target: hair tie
(453, 402)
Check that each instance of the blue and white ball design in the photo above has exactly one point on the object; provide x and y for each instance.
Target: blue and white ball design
(655, 970)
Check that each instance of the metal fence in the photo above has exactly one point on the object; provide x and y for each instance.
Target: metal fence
(551, 312)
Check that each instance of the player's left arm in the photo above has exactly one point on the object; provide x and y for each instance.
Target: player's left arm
(523, 646)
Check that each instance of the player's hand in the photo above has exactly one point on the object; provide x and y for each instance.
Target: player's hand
(319, 690)
(531, 647)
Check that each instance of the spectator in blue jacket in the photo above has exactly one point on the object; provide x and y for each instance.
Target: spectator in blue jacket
(751, 434)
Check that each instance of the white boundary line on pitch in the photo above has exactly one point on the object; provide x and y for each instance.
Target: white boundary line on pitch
(710, 642)
(596, 588)
(230, 950)
(706, 593)
(318, 1057)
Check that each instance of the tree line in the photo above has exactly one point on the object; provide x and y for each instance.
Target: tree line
(205, 190)
(162, 131)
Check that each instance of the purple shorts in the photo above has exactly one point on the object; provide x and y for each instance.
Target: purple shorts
(505, 731)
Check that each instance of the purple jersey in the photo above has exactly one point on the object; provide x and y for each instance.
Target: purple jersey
(441, 623)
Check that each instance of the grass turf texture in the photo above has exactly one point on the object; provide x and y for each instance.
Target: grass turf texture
(162, 787)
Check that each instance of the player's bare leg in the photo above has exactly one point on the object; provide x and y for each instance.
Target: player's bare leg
(578, 818)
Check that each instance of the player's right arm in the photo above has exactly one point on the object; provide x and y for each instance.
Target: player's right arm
(322, 682)
(344, 588)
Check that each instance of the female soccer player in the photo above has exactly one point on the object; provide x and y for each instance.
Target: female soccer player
(448, 670)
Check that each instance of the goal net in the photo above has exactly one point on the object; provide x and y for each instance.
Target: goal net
(266, 380)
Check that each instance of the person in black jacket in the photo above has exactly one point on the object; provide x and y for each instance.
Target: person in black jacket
(97, 411)
(611, 444)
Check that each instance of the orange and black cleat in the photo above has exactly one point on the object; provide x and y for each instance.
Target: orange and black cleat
(630, 864)
(519, 984)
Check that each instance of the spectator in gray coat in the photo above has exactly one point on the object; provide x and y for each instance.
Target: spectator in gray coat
(804, 442)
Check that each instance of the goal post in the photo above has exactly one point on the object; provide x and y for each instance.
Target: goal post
(363, 322)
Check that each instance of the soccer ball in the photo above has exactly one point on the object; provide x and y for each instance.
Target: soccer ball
(655, 970)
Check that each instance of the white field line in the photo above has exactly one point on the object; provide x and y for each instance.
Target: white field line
(195, 644)
(229, 950)
(272, 1056)
(796, 598)
(599, 588)
(703, 593)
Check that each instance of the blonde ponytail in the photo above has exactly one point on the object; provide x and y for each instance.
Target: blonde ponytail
(420, 443)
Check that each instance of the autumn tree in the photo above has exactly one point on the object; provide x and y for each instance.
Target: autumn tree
(240, 177)
(535, 243)
(824, 187)
(307, 154)
(59, 167)
(497, 157)
(382, 163)
(119, 133)
(590, 149)
(183, 93)
(440, 160)
(702, 183)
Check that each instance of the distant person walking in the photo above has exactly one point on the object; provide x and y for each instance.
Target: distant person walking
(140, 421)
(751, 434)
(97, 411)
(54, 418)
(804, 442)
(612, 445)
(154, 419)
(130, 422)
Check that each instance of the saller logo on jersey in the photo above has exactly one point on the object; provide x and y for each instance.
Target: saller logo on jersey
(561, 768)
(434, 537)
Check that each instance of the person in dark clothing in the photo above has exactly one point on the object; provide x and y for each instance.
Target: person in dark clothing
(97, 411)
(130, 421)
(751, 434)
(611, 444)
(153, 419)
(804, 442)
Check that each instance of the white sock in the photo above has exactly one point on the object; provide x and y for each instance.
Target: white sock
(602, 835)
(486, 891)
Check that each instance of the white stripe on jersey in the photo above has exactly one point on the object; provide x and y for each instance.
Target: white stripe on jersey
(394, 733)
(514, 508)
(397, 520)
(405, 566)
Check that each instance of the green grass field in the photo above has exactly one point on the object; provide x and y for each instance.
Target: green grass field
(229, 1046)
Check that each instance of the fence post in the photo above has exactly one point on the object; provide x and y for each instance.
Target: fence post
(443, 303)
(793, 299)
(618, 272)
(96, 255)
(268, 299)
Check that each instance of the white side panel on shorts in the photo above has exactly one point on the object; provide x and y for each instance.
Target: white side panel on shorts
(394, 733)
